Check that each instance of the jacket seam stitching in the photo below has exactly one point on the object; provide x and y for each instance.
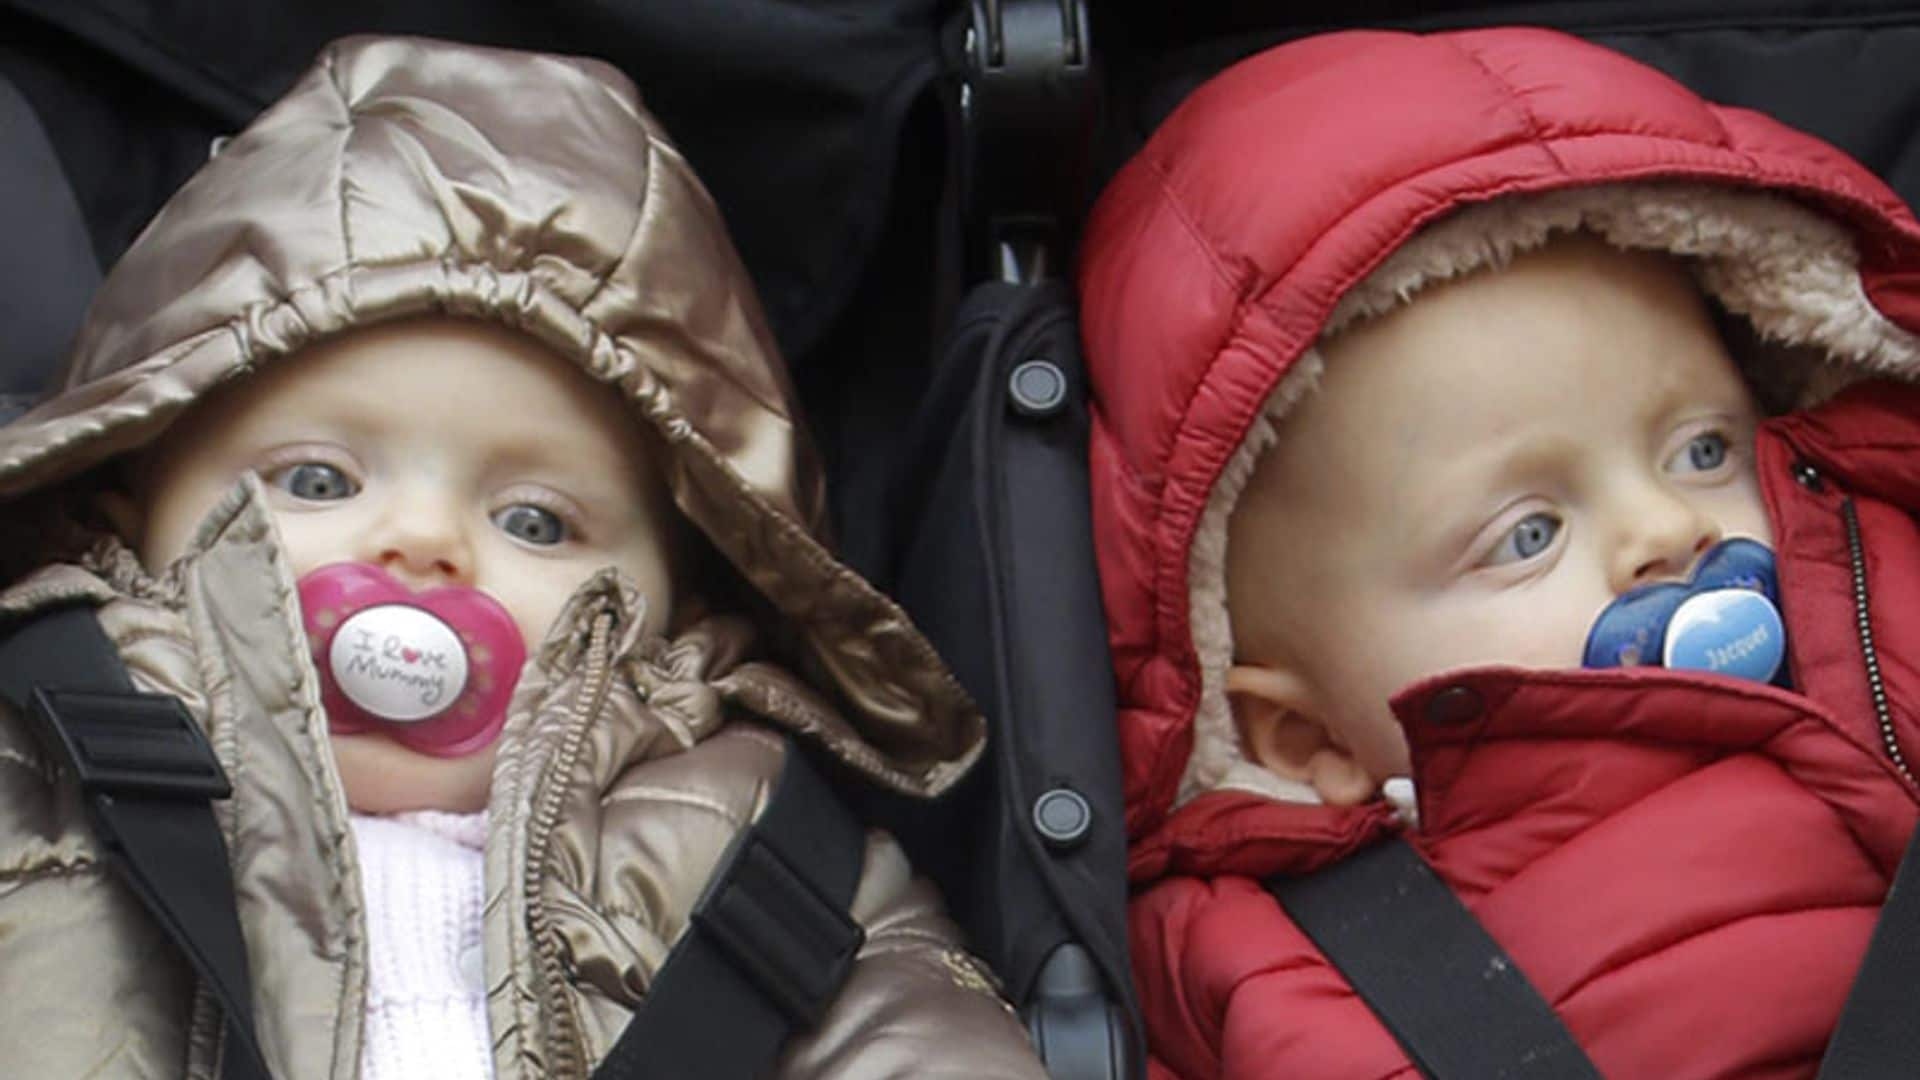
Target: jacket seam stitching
(48, 870)
(672, 798)
(1244, 298)
(1625, 962)
(1512, 95)
(217, 701)
(340, 160)
(885, 940)
(1164, 181)
(1097, 418)
(605, 277)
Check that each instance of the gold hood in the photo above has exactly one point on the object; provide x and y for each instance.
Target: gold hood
(404, 177)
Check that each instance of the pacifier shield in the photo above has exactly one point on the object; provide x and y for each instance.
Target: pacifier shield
(1724, 618)
(399, 662)
(1632, 630)
(1729, 631)
(432, 670)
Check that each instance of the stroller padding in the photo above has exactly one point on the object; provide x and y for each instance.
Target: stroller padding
(47, 271)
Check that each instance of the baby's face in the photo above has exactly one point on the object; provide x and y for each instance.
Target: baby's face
(445, 452)
(1481, 472)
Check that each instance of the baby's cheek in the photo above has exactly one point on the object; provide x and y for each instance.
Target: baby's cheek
(535, 593)
(1542, 626)
(534, 621)
(1744, 513)
(1547, 633)
(312, 539)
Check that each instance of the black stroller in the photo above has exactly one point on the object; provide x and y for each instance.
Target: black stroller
(915, 262)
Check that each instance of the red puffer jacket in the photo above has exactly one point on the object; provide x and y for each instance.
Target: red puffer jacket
(1686, 866)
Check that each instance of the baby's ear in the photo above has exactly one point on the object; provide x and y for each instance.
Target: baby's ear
(1283, 730)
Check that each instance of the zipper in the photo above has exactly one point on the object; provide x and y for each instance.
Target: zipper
(596, 678)
(1863, 627)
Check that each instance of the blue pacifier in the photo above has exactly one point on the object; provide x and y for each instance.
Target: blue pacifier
(1724, 618)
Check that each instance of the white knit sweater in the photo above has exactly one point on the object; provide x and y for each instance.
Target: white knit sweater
(426, 988)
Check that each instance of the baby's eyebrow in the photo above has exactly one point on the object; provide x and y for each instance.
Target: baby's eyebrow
(596, 482)
(536, 449)
(1442, 537)
(1438, 526)
(1537, 454)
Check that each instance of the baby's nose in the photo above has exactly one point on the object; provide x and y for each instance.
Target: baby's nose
(423, 545)
(1664, 545)
(410, 564)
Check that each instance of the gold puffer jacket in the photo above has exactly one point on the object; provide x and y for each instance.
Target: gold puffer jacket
(404, 177)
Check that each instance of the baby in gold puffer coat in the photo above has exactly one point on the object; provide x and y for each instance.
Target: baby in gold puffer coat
(455, 332)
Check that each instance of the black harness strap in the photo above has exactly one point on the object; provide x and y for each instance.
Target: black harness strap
(1878, 1034)
(148, 777)
(768, 948)
(1452, 997)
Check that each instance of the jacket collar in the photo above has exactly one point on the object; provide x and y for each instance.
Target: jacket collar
(1490, 744)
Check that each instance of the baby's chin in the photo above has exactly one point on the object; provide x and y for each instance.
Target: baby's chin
(382, 777)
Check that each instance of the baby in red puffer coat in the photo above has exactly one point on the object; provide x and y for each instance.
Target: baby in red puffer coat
(1596, 437)
(1409, 356)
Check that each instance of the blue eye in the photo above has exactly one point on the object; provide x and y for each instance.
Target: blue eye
(1533, 535)
(314, 481)
(530, 524)
(1703, 453)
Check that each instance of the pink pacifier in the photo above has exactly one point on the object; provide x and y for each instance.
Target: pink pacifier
(432, 670)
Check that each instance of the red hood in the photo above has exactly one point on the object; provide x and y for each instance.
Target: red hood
(1214, 257)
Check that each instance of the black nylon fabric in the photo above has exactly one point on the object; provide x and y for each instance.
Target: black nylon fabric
(789, 112)
(166, 847)
(996, 567)
(45, 285)
(713, 1011)
(1427, 968)
(1875, 1038)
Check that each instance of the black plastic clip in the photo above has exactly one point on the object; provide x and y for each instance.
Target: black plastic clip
(1029, 105)
(776, 927)
(126, 742)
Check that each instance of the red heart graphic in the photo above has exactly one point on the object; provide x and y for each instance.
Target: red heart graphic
(474, 717)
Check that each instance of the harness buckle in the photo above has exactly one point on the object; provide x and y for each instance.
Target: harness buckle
(777, 928)
(128, 742)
